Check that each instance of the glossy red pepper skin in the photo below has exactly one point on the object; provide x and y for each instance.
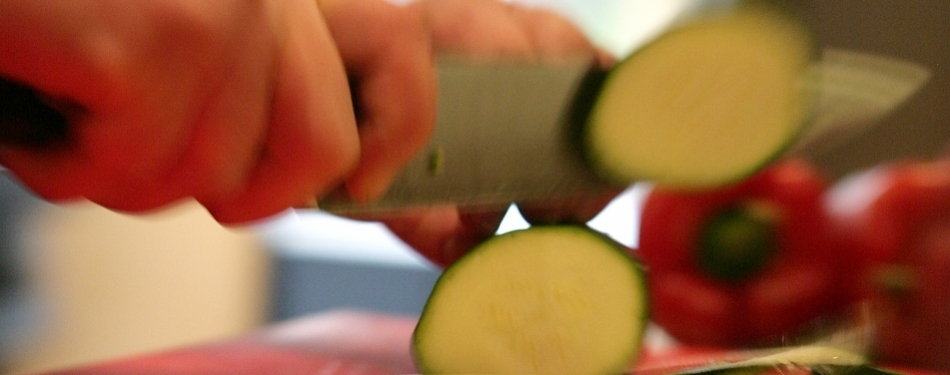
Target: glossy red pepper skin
(796, 286)
(896, 219)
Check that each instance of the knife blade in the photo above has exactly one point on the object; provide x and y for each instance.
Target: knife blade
(502, 134)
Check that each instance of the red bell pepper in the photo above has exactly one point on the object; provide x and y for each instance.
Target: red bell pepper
(742, 265)
(897, 221)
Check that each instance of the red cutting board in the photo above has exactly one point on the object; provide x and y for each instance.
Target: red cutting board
(338, 343)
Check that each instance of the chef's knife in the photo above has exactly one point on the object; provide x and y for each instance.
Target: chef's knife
(504, 131)
(502, 134)
(28, 119)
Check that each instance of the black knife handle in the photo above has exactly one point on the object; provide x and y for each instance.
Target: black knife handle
(28, 120)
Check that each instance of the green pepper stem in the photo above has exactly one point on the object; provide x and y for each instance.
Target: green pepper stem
(738, 241)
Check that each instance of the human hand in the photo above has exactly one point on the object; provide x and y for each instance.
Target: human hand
(244, 106)
(489, 29)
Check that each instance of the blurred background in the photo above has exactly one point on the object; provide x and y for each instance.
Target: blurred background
(80, 284)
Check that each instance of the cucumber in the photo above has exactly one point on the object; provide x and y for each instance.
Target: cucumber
(813, 359)
(543, 300)
(706, 103)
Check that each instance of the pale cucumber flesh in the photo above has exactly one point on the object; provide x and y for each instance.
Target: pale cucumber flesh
(707, 103)
(545, 300)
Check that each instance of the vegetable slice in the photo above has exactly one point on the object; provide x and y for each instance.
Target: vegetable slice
(808, 359)
(543, 300)
(708, 102)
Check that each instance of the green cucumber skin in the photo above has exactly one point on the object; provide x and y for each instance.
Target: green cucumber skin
(863, 369)
(580, 111)
(749, 370)
(851, 370)
(582, 230)
(591, 91)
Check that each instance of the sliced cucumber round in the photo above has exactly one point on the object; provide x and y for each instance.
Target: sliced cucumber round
(816, 359)
(706, 103)
(543, 300)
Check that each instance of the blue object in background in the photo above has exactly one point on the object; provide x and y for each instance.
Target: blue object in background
(20, 310)
(323, 262)
(312, 285)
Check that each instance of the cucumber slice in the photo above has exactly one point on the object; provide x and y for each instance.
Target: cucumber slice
(814, 359)
(708, 102)
(543, 300)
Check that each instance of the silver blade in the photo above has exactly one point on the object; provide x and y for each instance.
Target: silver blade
(855, 92)
(501, 136)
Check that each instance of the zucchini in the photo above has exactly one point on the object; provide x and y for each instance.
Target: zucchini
(809, 359)
(543, 300)
(708, 102)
